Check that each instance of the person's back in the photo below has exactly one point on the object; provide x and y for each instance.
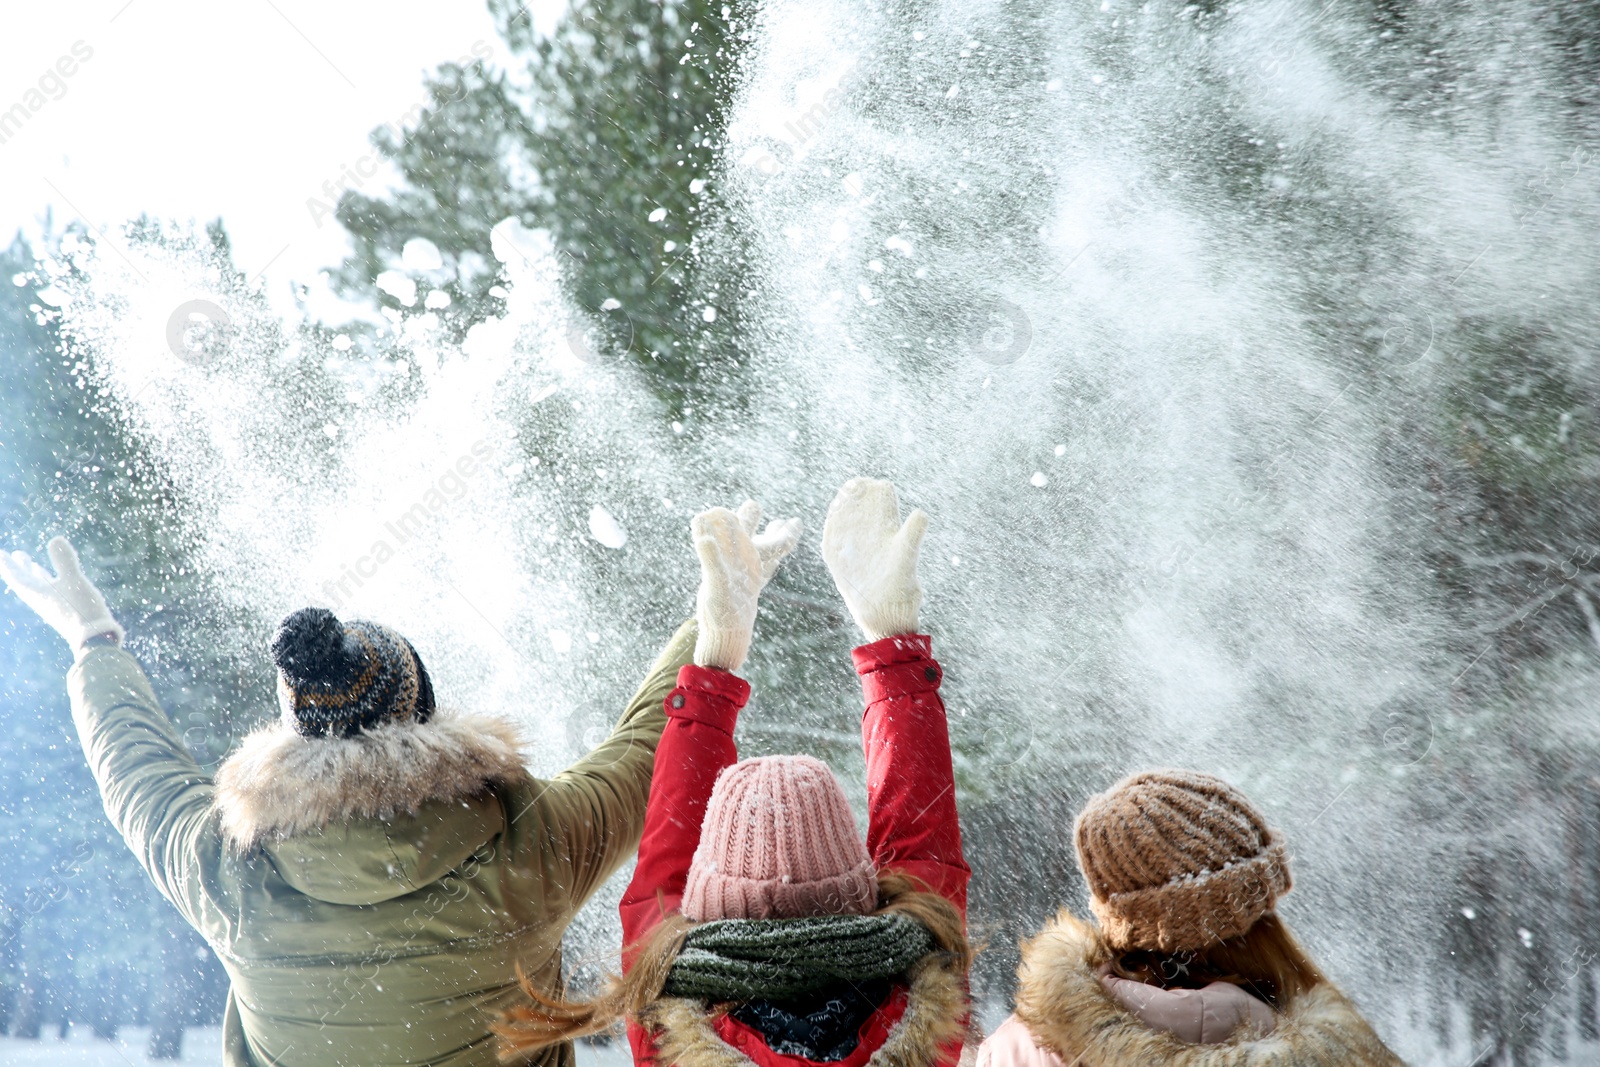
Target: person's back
(349, 935)
(371, 871)
(762, 930)
(1189, 965)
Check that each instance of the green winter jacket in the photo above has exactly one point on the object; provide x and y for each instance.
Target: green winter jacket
(371, 897)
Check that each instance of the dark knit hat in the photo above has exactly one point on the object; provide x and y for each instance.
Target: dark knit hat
(336, 679)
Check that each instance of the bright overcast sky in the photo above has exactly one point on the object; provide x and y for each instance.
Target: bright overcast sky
(193, 110)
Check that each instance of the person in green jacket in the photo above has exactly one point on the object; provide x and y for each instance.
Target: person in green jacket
(371, 869)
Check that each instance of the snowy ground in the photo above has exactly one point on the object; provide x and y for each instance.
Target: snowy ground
(615, 1054)
(82, 1049)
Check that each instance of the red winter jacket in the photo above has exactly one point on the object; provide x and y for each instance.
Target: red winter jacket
(912, 823)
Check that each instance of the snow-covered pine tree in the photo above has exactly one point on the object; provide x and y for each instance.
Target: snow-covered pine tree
(605, 133)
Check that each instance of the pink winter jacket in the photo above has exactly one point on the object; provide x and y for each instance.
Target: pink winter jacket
(1206, 1016)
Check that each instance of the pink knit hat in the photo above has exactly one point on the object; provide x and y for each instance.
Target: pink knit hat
(779, 842)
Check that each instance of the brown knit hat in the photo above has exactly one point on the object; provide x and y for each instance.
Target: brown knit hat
(1177, 861)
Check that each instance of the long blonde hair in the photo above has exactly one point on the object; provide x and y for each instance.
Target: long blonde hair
(545, 1020)
(1265, 959)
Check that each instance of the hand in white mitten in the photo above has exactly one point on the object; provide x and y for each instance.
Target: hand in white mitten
(873, 558)
(737, 560)
(66, 600)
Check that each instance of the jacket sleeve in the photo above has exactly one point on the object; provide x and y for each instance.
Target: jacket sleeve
(154, 792)
(593, 812)
(911, 788)
(696, 746)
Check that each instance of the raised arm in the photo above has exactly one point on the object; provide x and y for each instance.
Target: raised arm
(912, 822)
(911, 787)
(737, 559)
(695, 747)
(154, 792)
(597, 805)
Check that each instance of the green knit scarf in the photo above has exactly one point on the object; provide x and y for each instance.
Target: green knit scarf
(779, 959)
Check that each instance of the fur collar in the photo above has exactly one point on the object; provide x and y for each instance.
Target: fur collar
(935, 1017)
(1064, 1006)
(278, 784)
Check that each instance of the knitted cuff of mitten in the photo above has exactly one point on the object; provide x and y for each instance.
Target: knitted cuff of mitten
(891, 619)
(721, 648)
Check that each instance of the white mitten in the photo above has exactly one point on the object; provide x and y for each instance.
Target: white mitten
(873, 558)
(736, 562)
(66, 600)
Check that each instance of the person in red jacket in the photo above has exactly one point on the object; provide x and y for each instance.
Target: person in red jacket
(761, 929)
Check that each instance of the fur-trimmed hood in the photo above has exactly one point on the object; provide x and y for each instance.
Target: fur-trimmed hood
(1066, 1010)
(278, 784)
(935, 1018)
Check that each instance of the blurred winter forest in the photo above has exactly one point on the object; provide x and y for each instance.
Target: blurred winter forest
(1462, 801)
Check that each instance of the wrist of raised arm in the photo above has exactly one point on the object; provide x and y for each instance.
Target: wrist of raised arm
(897, 666)
(708, 695)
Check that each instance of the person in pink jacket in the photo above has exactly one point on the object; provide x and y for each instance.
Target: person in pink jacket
(761, 929)
(1190, 965)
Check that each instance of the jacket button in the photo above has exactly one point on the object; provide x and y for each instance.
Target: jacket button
(677, 700)
(931, 674)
